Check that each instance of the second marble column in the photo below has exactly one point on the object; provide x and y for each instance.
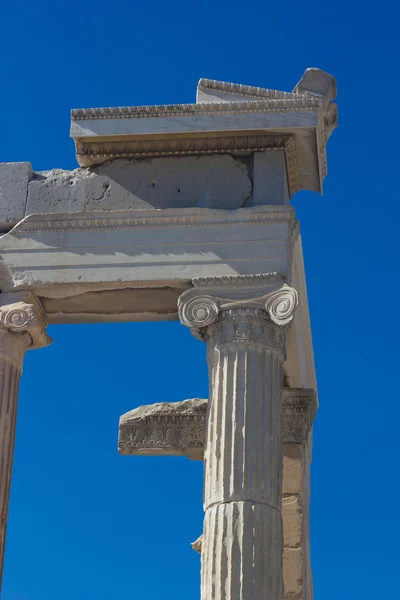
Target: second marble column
(245, 330)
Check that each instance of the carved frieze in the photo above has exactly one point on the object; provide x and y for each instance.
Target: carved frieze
(175, 429)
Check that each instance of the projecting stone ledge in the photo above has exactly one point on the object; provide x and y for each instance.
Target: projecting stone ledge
(178, 428)
(170, 429)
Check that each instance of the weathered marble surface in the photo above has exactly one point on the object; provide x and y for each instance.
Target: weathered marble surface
(244, 324)
(172, 245)
(22, 327)
(220, 121)
(218, 181)
(14, 180)
(164, 429)
(178, 428)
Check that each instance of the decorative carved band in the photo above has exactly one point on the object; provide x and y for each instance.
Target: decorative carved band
(164, 429)
(247, 91)
(237, 299)
(247, 325)
(21, 312)
(295, 103)
(131, 220)
(299, 410)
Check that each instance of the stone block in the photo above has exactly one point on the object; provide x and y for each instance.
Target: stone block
(165, 428)
(292, 573)
(292, 469)
(215, 181)
(14, 179)
(292, 515)
(270, 178)
(316, 81)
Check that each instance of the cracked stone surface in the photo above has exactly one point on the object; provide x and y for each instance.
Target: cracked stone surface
(192, 407)
(215, 181)
(14, 179)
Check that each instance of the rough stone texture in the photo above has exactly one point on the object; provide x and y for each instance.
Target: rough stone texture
(212, 181)
(270, 179)
(292, 568)
(216, 181)
(292, 523)
(14, 179)
(292, 469)
(197, 545)
(295, 515)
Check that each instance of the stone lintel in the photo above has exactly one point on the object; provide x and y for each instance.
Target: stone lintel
(147, 248)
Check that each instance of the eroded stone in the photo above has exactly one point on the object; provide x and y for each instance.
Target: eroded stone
(215, 181)
(14, 179)
(165, 428)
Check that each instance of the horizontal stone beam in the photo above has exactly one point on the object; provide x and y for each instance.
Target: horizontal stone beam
(178, 428)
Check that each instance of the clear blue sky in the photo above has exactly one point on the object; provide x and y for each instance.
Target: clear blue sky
(88, 524)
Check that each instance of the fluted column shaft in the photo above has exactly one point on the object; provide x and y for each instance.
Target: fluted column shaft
(244, 322)
(12, 350)
(22, 326)
(243, 538)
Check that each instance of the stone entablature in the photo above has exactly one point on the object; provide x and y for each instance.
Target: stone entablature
(220, 122)
(183, 212)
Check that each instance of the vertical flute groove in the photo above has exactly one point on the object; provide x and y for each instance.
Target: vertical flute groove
(243, 537)
(12, 349)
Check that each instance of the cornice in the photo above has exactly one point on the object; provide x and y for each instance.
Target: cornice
(297, 103)
(247, 91)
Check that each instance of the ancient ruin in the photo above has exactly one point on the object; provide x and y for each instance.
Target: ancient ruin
(183, 212)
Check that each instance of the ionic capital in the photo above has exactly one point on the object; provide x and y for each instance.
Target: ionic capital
(22, 313)
(264, 296)
(299, 410)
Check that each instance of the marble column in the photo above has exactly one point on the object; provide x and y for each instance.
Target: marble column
(22, 327)
(299, 409)
(244, 321)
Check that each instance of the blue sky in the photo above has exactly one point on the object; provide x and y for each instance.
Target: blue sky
(86, 523)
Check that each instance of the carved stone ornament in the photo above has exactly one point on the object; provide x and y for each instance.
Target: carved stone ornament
(251, 296)
(299, 410)
(165, 428)
(21, 312)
